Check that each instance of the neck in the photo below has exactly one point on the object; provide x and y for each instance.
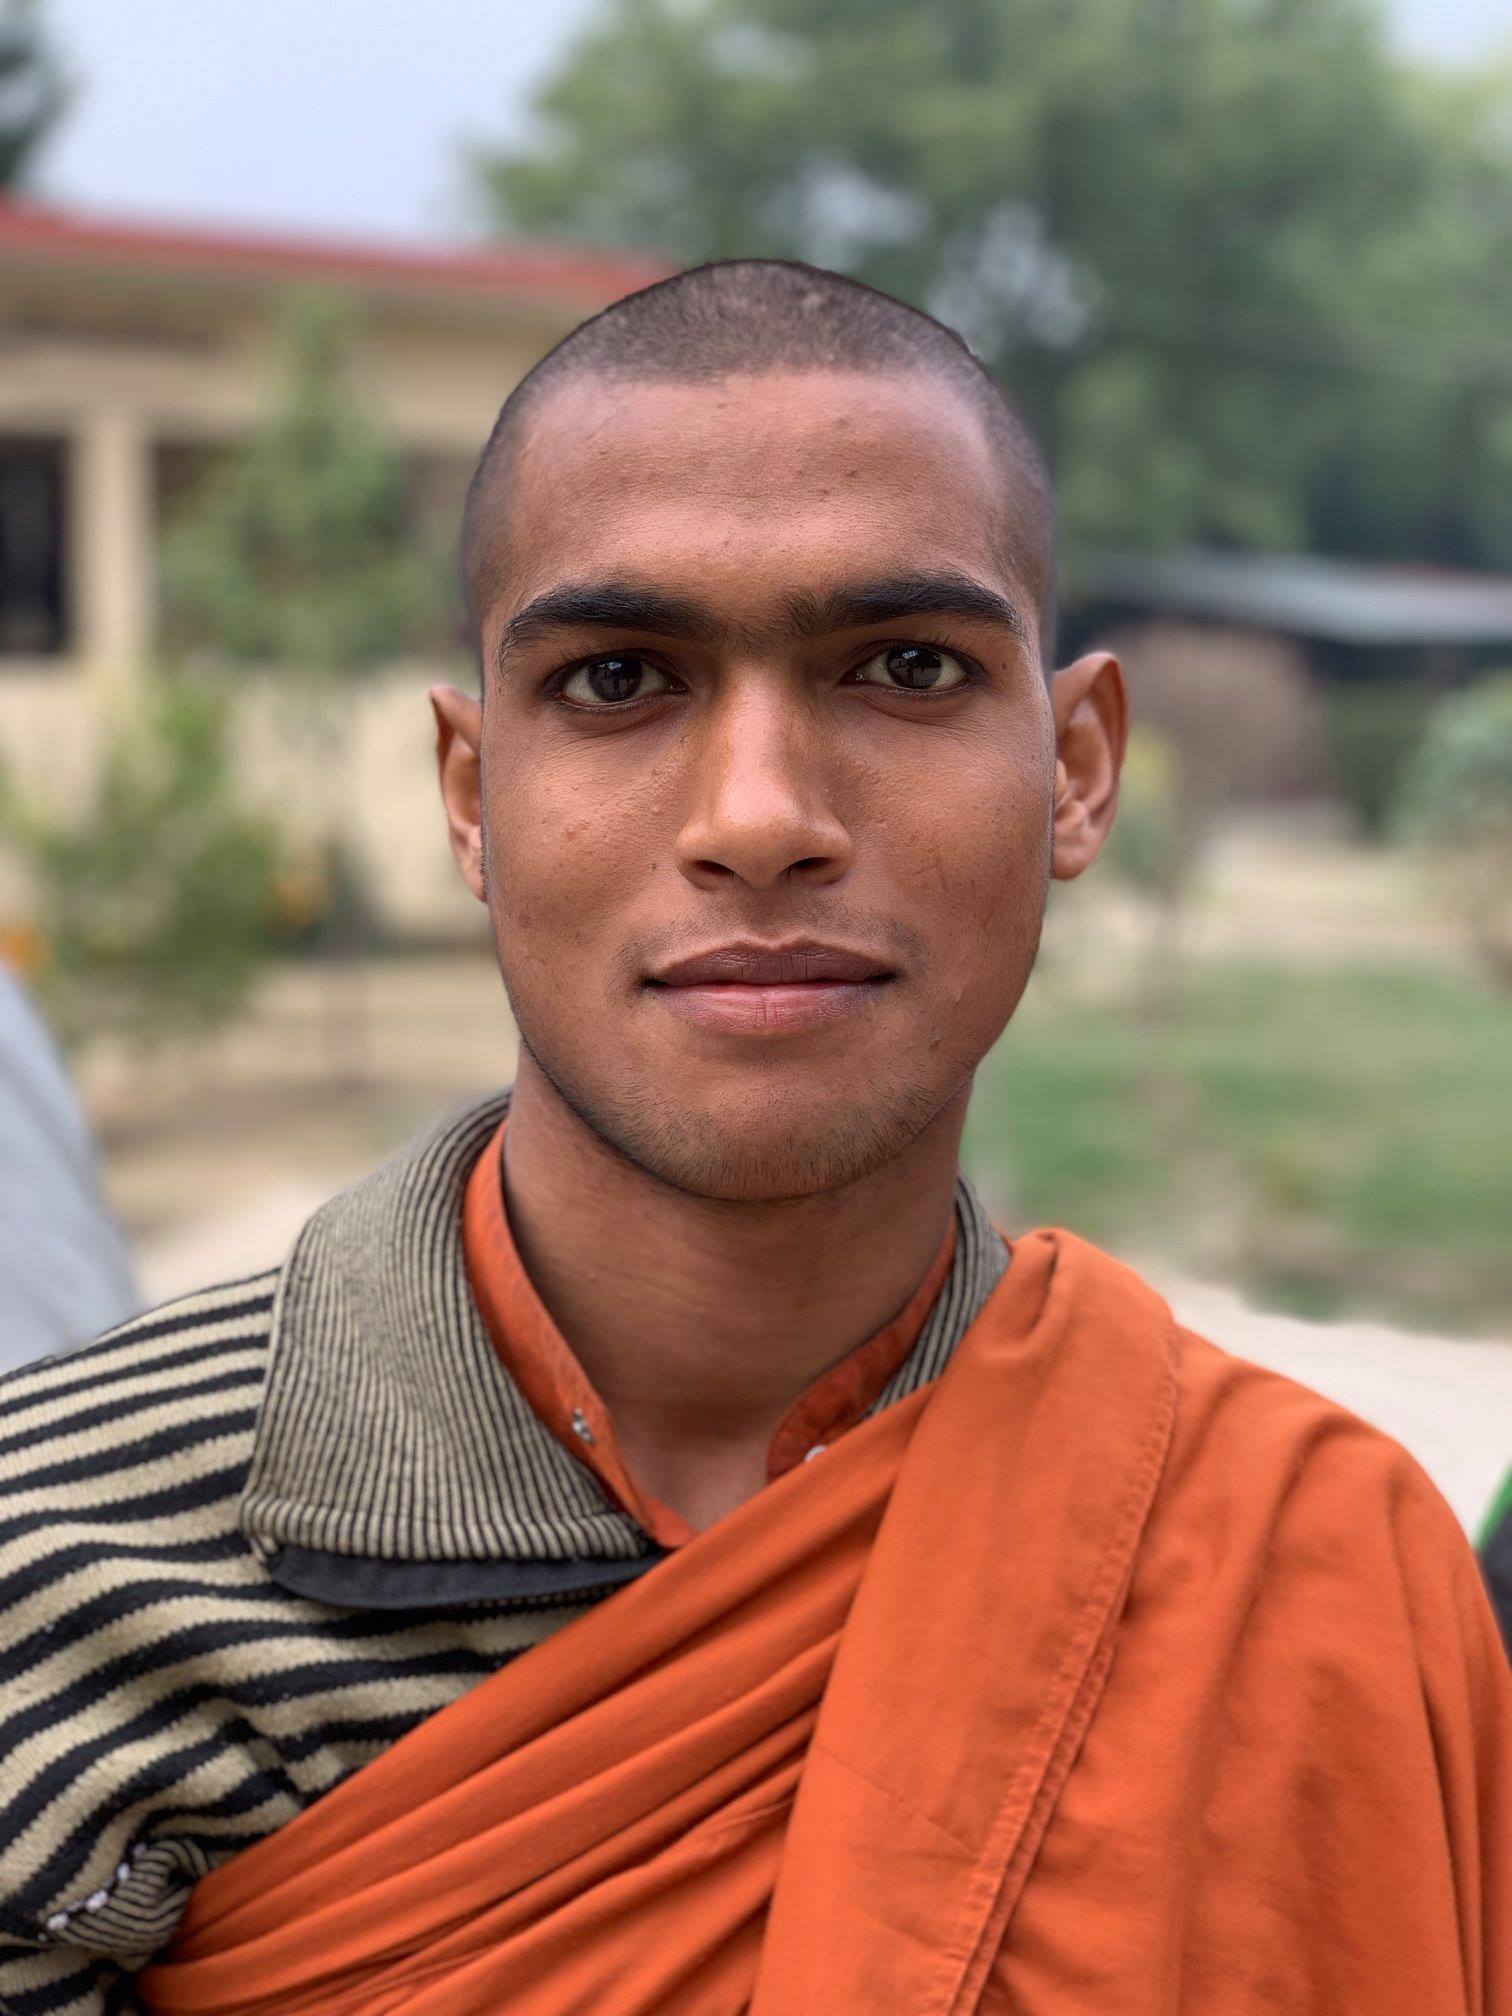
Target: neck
(699, 1321)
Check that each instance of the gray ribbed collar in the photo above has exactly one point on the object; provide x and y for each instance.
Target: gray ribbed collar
(391, 1434)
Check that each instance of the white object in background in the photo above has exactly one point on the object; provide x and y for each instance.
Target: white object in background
(1447, 1400)
(64, 1271)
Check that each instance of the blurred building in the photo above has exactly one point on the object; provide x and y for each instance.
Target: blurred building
(1356, 620)
(1346, 659)
(132, 354)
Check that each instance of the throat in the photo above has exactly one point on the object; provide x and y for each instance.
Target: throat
(697, 1485)
(721, 1342)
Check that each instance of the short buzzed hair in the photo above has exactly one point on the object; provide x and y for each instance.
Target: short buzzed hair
(736, 317)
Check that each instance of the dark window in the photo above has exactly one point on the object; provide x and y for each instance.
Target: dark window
(32, 619)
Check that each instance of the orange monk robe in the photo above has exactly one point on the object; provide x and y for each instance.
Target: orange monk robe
(1106, 1674)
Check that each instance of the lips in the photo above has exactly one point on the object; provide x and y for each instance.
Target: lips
(802, 962)
(746, 990)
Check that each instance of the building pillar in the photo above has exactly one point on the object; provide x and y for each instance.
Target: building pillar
(111, 509)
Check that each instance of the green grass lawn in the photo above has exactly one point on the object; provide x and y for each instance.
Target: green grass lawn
(1329, 1140)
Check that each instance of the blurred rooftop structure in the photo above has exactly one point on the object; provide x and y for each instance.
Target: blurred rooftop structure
(46, 244)
(1346, 603)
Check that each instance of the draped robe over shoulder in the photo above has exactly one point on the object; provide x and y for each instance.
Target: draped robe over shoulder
(1106, 1673)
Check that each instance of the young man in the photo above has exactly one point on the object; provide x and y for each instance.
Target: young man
(660, 1550)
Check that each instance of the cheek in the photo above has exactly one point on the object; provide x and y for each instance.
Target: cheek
(986, 837)
(563, 855)
(982, 916)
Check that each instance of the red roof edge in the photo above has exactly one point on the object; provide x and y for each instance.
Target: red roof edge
(562, 272)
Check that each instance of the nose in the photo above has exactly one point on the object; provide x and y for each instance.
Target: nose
(763, 802)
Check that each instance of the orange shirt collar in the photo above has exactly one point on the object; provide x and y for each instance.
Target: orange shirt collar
(544, 1367)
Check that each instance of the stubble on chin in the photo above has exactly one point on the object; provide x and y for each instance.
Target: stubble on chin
(779, 1150)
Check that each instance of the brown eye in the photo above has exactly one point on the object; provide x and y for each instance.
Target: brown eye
(608, 682)
(912, 668)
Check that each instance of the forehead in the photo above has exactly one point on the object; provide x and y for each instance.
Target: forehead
(749, 488)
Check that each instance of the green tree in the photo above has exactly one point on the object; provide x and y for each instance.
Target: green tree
(300, 558)
(1248, 273)
(155, 897)
(33, 93)
(298, 551)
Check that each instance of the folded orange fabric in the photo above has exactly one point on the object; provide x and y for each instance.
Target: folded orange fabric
(1107, 1674)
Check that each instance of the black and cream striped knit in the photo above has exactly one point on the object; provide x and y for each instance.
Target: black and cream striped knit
(251, 1538)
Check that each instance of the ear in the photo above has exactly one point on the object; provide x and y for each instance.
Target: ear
(1091, 712)
(459, 740)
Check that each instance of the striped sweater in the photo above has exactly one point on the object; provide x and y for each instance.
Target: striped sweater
(250, 1539)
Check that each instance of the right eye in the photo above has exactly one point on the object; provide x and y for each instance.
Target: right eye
(609, 682)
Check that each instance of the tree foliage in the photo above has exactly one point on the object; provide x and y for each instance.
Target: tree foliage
(298, 552)
(156, 895)
(1249, 273)
(33, 93)
(300, 557)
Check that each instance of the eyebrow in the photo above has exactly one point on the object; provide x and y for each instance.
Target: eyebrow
(607, 605)
(897, 596)
(621, 605)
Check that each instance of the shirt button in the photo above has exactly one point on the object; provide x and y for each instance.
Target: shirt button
(580, 1427)
(817, 1450)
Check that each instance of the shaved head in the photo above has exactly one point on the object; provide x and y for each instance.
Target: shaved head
(761, 317)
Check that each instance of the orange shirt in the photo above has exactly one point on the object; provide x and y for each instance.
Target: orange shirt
(543, 1365)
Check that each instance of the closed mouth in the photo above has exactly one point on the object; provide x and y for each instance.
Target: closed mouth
(799, 963)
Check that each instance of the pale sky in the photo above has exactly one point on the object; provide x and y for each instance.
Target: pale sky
(346, 115)
(314, 114)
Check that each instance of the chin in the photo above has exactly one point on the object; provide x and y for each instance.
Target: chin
(769, 1142)
(752, 1166)
(738, 1166)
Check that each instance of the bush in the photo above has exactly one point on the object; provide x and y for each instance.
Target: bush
(1372, 732)
(154, 904)
(1455, 806)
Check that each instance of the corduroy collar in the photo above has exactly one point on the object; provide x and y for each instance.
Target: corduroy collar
(396, 1463)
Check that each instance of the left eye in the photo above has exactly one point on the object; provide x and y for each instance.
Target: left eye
(609, 682)
(912, 668)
